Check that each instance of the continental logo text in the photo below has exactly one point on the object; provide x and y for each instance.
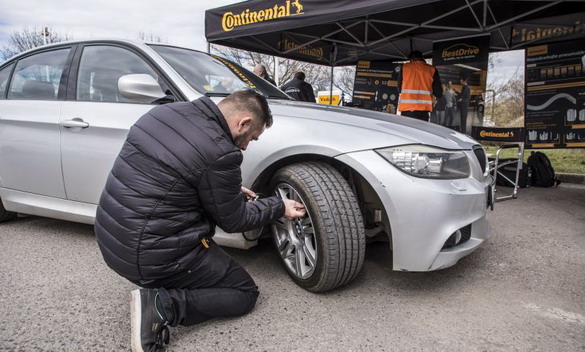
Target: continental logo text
(230, 20)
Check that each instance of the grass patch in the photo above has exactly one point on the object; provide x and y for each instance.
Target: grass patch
(563, 160)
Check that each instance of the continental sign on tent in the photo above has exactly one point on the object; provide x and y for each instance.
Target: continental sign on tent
(307, 50)
(531, 33)
(230, 20)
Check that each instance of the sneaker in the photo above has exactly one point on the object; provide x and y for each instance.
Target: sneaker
(148, 326)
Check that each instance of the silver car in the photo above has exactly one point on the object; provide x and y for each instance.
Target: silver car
(65, 110)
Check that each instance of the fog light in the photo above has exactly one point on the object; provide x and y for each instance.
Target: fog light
(453, 240)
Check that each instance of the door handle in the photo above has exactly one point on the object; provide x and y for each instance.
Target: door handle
(74, 123)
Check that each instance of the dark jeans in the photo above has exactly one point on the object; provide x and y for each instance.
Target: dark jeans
(440, 117)
(463, 107)
(419, 115)
(449, 117)
(216, 286)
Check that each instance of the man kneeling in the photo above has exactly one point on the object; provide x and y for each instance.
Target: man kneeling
(177, 177)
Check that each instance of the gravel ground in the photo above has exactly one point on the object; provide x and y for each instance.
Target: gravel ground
(524, 290)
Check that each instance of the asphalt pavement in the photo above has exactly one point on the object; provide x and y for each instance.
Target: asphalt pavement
(524, 290)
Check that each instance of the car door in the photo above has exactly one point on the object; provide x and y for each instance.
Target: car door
(30, 158)
(96, 118)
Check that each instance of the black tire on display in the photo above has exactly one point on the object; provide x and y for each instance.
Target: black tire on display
(324, 249)
(6, 215)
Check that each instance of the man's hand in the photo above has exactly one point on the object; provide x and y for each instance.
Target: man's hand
(250, 194)
(293, 209)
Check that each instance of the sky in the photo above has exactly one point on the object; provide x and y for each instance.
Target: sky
(512, 62)
(177, 22)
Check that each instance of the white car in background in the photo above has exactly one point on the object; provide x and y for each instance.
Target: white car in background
(65, 110)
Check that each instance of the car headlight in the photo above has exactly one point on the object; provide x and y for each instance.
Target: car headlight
(427, 162)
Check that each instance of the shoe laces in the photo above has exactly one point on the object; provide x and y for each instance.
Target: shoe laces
(162, 337)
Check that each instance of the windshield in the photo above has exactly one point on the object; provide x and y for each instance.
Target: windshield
(213, 75)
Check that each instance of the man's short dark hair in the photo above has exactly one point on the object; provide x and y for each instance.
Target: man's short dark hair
(250, 101)
(416, 55)
(300, 75)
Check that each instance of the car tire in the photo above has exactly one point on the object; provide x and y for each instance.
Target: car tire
(6, 215)
(324, 249)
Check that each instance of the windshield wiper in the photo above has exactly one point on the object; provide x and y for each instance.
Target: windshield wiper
(214, 94)
(219, 94)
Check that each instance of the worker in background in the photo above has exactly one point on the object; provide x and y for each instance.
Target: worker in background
(417, 83)
(260, 71)
(299, 89)
(463, 101)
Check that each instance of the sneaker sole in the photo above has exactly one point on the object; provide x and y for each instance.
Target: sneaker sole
(135, 321)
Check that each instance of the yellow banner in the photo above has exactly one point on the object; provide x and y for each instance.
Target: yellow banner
(324, 99)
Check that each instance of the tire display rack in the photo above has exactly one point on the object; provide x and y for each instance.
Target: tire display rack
(495, 166)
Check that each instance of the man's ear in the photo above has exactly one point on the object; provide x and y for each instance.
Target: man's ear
(245, 123)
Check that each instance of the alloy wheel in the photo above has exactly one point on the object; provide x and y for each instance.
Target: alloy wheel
(296, 239)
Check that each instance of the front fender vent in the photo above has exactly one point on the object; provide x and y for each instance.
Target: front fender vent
(481, 158)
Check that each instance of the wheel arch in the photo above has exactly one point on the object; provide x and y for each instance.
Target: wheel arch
(368, 199)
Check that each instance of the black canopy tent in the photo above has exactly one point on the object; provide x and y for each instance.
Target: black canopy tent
(341, 32)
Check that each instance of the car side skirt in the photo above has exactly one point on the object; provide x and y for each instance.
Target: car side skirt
(34, 204)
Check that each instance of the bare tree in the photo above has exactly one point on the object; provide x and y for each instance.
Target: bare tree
(286, 67)
(150, 37)
(319, 76)
(249, 59)
(508, 105)
(344, 79)
(27, 39)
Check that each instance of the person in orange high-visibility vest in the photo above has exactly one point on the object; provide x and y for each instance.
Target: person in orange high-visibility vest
(417, 83)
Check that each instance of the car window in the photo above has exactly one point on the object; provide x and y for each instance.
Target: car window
(4, 75)
(100, 69)
(210, 74)
(37, 77)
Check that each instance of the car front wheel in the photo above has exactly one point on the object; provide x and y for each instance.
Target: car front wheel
(325, 248)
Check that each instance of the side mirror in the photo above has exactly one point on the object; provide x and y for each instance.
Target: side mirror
(141, 88)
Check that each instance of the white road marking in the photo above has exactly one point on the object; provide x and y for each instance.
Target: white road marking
(556, 313)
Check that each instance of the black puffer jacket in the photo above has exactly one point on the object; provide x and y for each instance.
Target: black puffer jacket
(177, 174)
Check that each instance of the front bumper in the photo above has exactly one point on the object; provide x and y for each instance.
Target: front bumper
(424, 213)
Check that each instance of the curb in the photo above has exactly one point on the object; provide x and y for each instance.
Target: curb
(571, 178)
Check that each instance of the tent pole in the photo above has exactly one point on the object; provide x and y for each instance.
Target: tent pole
(485, 13)
(208, 47)
(276, 78)
(331, 88)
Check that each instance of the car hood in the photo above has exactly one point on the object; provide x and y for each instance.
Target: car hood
(369, 129)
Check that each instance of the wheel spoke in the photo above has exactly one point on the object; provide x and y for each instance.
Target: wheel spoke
(281, 224)
(306, 222)
(283, 193)
(308, 230)
(310, 255)
(294, 195)
(285, 248)
(300, 262)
